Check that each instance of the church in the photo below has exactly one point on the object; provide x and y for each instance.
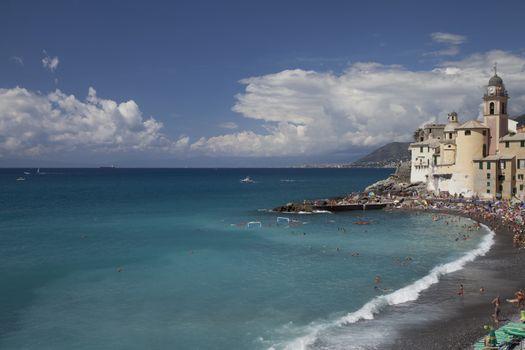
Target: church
(474, 158)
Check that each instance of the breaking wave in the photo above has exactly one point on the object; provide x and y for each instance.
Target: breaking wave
(403, 295)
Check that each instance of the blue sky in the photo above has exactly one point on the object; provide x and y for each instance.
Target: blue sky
(232, 83)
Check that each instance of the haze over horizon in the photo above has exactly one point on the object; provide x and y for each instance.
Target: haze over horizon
(242, 83)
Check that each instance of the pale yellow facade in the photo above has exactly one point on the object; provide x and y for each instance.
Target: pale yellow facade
(476, 158)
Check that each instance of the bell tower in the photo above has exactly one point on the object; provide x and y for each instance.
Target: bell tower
(495, 111)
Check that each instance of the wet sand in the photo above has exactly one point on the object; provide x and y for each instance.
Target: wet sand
(500, 272)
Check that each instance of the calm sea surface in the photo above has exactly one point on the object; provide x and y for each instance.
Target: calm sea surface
(162, 258)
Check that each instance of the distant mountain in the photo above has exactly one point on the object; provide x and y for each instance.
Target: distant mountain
(389, 153)
(520, 119)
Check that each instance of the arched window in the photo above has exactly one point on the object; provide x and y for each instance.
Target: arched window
(502, 107)
(491, 107)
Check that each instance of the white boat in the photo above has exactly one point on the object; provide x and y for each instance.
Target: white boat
(247, 180)
(27, 172)
(20, 178)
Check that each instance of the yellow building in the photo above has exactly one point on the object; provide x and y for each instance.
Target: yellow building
(485, 159)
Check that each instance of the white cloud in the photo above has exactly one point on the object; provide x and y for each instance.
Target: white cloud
(18, 60)
(452, 40)
(309, 112)
(228, 125)
(32, 124)
(448, 38)
(50, 63)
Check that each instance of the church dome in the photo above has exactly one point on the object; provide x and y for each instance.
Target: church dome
(495, 81)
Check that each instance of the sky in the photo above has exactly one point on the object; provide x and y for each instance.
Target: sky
(242, 83)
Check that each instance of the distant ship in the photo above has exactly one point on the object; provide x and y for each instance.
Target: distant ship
(247, 180)
(20, 179)
(107, 167)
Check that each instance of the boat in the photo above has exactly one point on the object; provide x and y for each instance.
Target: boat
(20, 178)
(26, 173)
(247, 180)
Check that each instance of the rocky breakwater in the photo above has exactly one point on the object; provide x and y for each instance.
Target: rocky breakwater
(295, 208)
(393, 187)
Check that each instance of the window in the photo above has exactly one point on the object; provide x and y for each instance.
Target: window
(421, 149)
(520, 176)
(507, 144)
(481, 165)
(484, 132)
(491, 108)
(521, 163)
(488, 183)
(488, 165)
(522, 144)
(514, 190)
(502, 164)
(488, 176)
(500, 188)
(467, 132)
(502, 108)
(488, 191)
(484, 150)
(513, 177)
(521, 187)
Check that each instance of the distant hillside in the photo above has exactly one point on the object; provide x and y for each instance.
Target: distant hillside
(391, 152)
(520, 119)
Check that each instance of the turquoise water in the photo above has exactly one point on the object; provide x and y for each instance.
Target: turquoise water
(155, 259)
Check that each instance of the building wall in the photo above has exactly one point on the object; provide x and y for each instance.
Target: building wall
(515, 173)
(469, 147)
(486, 179)
(421, 161)
(448, 154)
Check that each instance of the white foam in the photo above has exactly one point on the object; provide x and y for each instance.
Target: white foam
(403, 295)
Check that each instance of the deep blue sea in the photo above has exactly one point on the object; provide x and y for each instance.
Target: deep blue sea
(163, 259)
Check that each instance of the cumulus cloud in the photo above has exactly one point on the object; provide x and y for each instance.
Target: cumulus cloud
(50, 63)
(229, 125)
(32, 124)
(448, 38)
(310, 112)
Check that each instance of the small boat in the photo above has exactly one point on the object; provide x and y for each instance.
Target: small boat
(20, 178)
(247, 180)
(26, 173)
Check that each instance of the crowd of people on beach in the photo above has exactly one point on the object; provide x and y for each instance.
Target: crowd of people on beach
(499, 215)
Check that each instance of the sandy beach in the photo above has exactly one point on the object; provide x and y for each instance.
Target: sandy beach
(499, 272)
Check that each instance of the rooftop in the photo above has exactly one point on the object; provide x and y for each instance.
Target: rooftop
(516, 137)
(472, 124)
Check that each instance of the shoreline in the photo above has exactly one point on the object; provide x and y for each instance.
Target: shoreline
(499, 271)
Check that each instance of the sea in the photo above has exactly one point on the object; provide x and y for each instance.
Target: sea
(168, 259)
